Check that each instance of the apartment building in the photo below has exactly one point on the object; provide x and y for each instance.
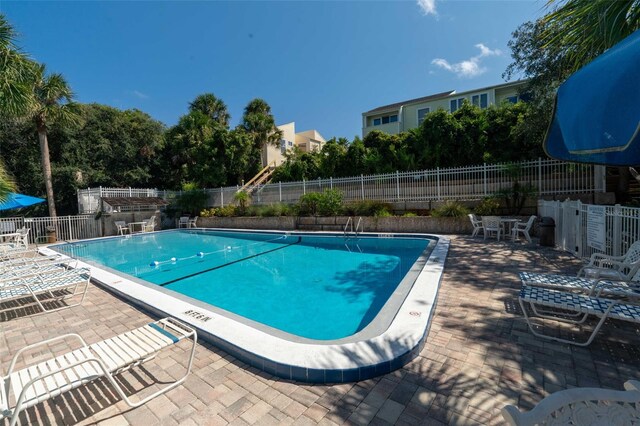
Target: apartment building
(402, 116)
(307, 141)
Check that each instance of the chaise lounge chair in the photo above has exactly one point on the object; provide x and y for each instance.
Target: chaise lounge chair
(53, 286)
(581, 406)
(576, 309)
(36, 383)
(591, 286)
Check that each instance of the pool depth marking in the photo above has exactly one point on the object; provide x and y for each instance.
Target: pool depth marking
(229, 263)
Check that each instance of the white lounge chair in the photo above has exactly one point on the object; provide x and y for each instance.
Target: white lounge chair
(523, 228)
(613, 267)
(582, 406)
(592, 287)
(476, 223)
(52, 286)
(192, 222)
(11, 270)
(122, 227)
(577, 308)
(47, 379)
(491, 224)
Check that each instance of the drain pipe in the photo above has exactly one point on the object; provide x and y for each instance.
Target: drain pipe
(400, 120)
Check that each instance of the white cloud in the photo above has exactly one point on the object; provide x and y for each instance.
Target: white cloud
(468, 68)
(428, 7)
(140, 95)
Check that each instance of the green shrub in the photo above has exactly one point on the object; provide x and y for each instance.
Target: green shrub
(227, 211)
(308, 204)
(450, 209)
(191, 200)
(410, 214)
(208, 212)
(382, 213)
(327, 203)
(489, 206)
(242, 198)
(330, 203)
(366, 208)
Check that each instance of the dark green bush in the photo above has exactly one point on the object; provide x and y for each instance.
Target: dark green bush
(367, 208)
(489, 206)
(327, 203)
(450, 209)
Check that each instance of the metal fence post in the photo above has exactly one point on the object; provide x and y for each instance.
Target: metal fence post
(221, 197)
(331, 182)
(362, 185)
(539, 175)
(484, 178)
(304, 188)
(398, 185)
(616, 231)
(438, 181)
(280, 191)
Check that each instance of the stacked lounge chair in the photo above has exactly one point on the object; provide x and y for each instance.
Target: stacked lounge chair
(42, 380)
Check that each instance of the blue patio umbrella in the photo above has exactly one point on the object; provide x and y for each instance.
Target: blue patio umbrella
(16, 201)
(597, 112)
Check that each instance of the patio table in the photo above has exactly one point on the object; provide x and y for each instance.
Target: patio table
(508, 223)
(10, 237)
(132, 226)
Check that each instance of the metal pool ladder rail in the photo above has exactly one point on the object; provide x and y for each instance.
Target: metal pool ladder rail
(349, 231)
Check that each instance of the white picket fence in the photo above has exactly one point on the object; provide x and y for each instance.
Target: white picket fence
(67, 227)
(622, 226)
(549, 177)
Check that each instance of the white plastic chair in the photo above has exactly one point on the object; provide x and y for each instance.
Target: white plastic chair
(149, 225)
(476, 223)
(624, 267)
(491, 224)
(122, 227)
(593, 406)
(192, 222)
(523, 228)
(48, 378)
(183, 222)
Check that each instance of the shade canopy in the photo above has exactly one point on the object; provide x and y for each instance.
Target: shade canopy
(597, 112)
(16, 201)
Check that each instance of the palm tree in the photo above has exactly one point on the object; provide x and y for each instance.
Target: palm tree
(588, 27)
(259, 124)
(16, 70)
(6, 184)
(51, 103)
(211, 106)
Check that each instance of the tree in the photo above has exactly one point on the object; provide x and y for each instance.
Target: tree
(258, 122)
(6, 184)
(571, 35)
(51, 104)
(16, 71)
(208, 104)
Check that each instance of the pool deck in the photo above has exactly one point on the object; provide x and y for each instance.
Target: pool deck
(479, 356)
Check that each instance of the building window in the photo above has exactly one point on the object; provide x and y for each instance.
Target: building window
(481, 101)
(512, 99)
(385, 120)
(289, 144)
(283, 146)
(456, 104)
(422, 112)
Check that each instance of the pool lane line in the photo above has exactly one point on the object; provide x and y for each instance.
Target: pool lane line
(229, 263)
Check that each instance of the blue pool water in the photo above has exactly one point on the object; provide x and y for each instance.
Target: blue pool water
(309, 286)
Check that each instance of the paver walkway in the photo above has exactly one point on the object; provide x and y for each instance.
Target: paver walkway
(478, 356)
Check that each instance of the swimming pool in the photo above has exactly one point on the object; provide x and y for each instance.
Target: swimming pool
(317, 291)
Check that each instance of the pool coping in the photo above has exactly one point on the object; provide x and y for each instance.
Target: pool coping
(303, 361)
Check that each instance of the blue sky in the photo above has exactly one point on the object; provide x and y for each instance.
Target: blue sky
(318, 63)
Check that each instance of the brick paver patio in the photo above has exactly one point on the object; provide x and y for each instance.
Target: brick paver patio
(479, 356)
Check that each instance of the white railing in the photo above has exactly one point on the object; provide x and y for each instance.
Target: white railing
(622, 227)
(66, 227)
(549, 177)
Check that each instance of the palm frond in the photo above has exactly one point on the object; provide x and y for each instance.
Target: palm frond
(7, 184)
